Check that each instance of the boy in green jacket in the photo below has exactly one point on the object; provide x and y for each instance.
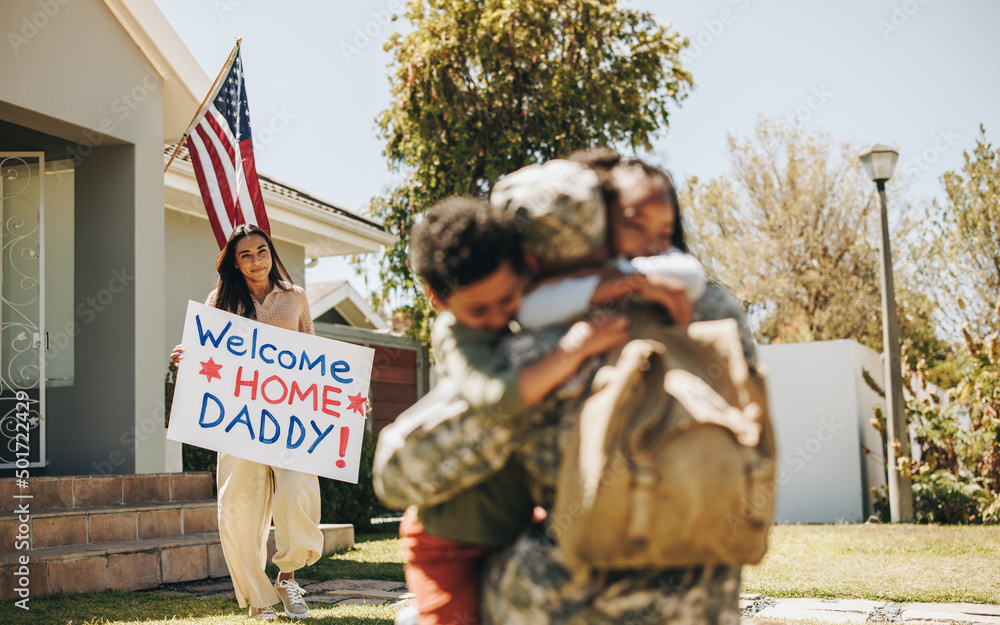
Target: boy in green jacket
(472, 263)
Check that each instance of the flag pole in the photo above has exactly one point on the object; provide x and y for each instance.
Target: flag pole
(201, 108)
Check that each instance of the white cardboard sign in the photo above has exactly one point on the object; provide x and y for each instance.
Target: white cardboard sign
(274, 396)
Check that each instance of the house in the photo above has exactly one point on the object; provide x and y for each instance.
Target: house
(100, 260)
(99, 253)
(338, 303)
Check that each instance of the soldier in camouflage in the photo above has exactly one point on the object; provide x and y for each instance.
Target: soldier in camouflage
(446, 448)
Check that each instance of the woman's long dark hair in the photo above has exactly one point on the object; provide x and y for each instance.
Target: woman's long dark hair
(603, 159)
(232, 293)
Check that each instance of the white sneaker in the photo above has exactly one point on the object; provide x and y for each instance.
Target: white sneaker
(291, 596)
(263, 614)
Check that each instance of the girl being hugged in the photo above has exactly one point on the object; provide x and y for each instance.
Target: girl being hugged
(253, 283)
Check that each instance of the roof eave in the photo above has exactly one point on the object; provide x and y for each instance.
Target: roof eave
(320, 232)
(185, 83)
(345, 293)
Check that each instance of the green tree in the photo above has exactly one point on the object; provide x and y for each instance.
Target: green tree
(792, 230)
(482, 88)
(969, 252)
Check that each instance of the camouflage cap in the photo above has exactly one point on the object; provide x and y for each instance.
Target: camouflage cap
(558, 207)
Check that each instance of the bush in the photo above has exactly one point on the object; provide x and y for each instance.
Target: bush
(955, 463)
(957, 477)
(352, 503)
(200, 459)
(940, 497)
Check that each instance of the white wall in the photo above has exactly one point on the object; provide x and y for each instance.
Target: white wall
(821, 408)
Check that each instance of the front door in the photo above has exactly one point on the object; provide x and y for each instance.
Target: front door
(22, 308)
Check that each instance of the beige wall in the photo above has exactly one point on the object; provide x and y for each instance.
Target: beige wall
(293, 257)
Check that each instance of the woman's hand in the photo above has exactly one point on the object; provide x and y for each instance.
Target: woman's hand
(658, 288)
(177, 355)
(595, 336)
(668, 292)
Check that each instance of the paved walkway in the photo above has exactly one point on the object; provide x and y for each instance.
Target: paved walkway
(756, 608)
(333, 592)
(862, 611)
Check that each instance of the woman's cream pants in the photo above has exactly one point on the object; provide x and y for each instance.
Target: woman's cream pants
(249, 493)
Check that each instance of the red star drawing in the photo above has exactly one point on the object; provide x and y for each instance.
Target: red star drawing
(357, 403)
(210, 370)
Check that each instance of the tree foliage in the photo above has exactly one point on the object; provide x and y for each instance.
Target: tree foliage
(482, 88)
(969, 246)
(955, 463)
(792, 230)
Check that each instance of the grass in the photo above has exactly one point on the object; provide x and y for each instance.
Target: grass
(116, 607)
(375, 556)
(899, 563)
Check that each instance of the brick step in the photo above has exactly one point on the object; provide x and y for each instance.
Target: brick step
(100, 524)
(120, 565)
(132, 564)
(82, 491)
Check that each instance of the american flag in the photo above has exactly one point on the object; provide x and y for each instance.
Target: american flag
(222, 154)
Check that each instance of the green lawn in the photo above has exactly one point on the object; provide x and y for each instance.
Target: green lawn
(901, 563)
(374, 556)
(904, 563)
(138, 607)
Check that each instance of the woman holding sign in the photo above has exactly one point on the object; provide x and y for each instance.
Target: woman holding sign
(254, 284)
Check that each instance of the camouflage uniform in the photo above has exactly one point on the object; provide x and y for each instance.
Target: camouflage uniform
(440, 447)
(527, 582)
(718, 303)
(528, 585)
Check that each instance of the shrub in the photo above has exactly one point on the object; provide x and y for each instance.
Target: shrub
(957, 477)
(955, 464)
(200, 459)
(941, 497)
(356, 504)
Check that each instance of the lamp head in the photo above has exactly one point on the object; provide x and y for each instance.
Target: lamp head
(879, 162)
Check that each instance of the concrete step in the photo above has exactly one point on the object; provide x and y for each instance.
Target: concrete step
(130, 564)
(83, 491)
(99, 524)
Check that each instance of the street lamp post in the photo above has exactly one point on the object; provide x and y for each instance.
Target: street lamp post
(880, 162)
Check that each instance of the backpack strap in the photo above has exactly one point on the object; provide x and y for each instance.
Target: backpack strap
(646, 417)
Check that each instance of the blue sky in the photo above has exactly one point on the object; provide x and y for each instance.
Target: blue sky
(919, 75)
